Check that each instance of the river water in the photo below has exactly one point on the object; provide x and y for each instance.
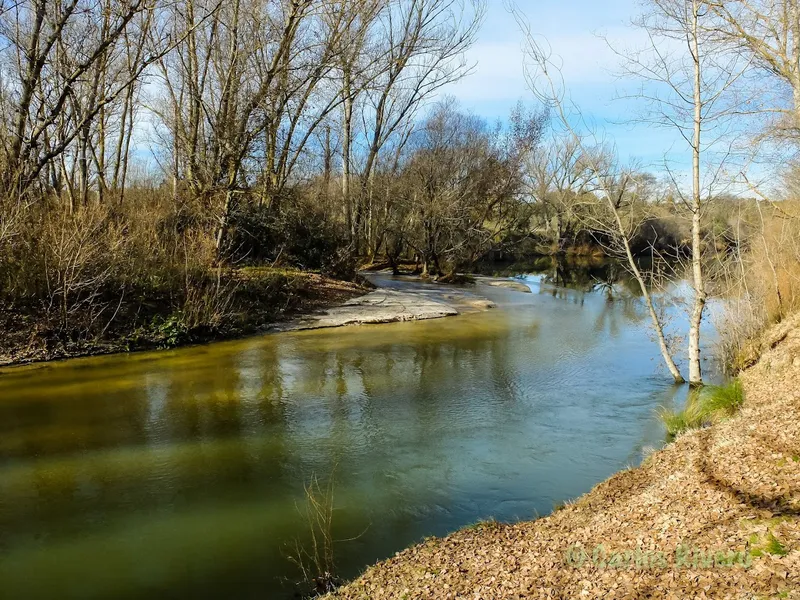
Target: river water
(181, 473)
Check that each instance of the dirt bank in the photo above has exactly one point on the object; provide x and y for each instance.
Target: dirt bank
(262, 300)
(716, 514)
(257, 298)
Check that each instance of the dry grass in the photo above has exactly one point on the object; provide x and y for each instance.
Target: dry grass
(141, 274)
(315, 559)
(714, 515)
(762, 284)
(775, 261)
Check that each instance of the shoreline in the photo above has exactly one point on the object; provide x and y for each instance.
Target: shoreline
(715, 514)
(394, 300)
(325, 303)
(307, 293)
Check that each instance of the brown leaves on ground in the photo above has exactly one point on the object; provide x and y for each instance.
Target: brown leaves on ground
(714, 515)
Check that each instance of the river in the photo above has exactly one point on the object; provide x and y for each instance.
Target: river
(181, 473)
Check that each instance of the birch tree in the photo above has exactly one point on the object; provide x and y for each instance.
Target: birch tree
(689, 86)
(611, 183)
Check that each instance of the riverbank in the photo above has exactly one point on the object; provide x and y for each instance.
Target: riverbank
(253, 299)
(261, 300)
(716, 514)
(414, 301)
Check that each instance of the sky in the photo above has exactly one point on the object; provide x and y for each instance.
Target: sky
(579, 32)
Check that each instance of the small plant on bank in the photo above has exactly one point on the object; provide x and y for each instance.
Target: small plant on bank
(170, 331)
(723, 400)
(706, 406)
(482, 524)
(772, 545)
(315, 559)
(678, 421)
(775, 547)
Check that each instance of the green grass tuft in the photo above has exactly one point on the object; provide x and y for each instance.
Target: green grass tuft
(723, 400)
(678, 421)
(489, 523)
(708, 405)
(775, 547)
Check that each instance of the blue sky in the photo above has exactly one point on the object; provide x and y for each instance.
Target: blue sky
(575, 29)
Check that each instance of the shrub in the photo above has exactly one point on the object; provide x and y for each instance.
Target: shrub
(300, 238)
(207, 303)
(663, 235)
(342, 264)
(740, 327)
(110, 269)
(762, 283)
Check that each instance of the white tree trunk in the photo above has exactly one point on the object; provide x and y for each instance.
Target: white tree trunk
(657, 324)
(696, 318)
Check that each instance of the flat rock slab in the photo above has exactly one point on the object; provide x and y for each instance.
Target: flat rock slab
(512, 285)
(479, 303)
(380, 306)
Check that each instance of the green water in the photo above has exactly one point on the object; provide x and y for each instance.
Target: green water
(181, 474)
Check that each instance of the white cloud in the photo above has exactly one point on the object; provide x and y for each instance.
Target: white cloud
(498, 74)
(586, 59)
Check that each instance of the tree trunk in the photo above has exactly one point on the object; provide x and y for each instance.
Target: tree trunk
(326, 167)
(795, 29)
(224, 221)
(347, 116)
(648, 299)
(696, 319)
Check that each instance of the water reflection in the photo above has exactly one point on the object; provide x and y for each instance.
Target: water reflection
(595, 274)
(179, 473)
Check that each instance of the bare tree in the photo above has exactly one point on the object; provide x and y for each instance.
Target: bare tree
(462, 181)
(689, 86)
(768, 33)
(423, 46)
(359, 62)
(245, 94)
(63, 62)
(611, 183)
(560, 182)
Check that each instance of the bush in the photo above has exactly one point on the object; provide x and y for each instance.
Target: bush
(740, 327)
(763, 283)
(109, 268)
(342, 264)
(300, 238)
(664, 235)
